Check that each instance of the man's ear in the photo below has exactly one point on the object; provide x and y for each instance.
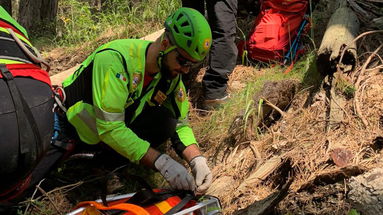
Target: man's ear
(165, 43)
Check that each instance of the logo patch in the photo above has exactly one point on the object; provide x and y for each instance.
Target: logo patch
(137, 77)
(181, 95)
(160, 97)
(121, 77)
(206, 44)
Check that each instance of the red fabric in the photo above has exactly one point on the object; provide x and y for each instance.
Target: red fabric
(6, 25)
(29, 70)
(291, 6)
(147, 80)
(275, 28)
(16, 191)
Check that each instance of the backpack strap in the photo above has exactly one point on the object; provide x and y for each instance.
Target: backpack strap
(146, 196)
(180, 205)
(10, 49)
(25, 120)
(36, 59)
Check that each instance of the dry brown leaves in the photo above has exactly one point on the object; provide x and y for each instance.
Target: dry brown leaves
(301, 137)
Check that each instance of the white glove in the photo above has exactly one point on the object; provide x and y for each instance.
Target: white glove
(202, 173)
(176, 174)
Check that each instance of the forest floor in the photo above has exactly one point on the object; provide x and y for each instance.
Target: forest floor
(299, 144)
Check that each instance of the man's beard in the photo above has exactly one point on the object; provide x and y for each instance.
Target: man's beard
(165, 70)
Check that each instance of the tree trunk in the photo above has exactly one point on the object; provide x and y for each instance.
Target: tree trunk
(366, 192)
(29, 13)
(7, 5)
(341, 31)
(49, 10)
(34, 14)
(15, 8)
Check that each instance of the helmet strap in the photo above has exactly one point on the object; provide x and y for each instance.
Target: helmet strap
(161, 55)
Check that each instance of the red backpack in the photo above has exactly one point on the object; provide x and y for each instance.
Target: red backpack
(276, 31)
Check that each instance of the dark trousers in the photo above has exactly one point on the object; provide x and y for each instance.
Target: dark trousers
(15, 167)
(223, 54)
(154, 124)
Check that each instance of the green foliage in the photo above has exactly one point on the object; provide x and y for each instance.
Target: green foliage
(242, 102)
(79, 22)
(353, 212)
(345, 87)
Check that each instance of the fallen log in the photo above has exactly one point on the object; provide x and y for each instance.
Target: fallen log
(267, 205)
(366, 192)
(262, 172)
(341, 31)
(331, 177)
(369, 12)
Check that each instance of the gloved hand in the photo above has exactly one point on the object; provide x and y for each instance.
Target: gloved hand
(176, 174)
(202, 173)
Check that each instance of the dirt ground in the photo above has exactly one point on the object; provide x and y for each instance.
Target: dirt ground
(305, 147)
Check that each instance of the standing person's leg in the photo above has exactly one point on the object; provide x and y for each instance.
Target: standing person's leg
(195, 4)
(223, 53)
(190, 77)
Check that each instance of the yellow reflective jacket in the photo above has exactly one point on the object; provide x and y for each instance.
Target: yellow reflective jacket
(108, 82)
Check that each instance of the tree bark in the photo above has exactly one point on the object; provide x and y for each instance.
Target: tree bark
(34, 14)
(341, 31)
(7, 5)
(49, 10)
(366, 192)
(15, 8)
(29, 13)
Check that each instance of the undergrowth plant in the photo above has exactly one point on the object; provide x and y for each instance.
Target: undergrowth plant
(79, 22)
(242, 103)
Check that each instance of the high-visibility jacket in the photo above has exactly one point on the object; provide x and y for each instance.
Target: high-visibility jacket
(109, 82)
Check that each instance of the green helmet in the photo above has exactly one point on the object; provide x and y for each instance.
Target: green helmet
(189, 30)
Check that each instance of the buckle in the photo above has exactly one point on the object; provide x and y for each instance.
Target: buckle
(5, 72)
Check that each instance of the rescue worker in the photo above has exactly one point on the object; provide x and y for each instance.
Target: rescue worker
(223, 54)
(129, 95)
(26, 116)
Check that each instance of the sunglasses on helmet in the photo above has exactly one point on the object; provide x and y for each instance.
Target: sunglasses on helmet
(185, 62)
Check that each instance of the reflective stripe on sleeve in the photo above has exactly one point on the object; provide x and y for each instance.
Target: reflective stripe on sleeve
(183, 122)
(109, 117)
(88, 120)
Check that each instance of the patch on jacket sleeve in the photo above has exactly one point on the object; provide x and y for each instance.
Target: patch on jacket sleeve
(121, 77)
(137, 78)
(181, 95)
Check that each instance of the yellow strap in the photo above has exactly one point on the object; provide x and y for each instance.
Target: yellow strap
(6, 61)
(164, 206)
(18, 36)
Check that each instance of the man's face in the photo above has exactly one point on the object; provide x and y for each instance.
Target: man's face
(177, 62)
